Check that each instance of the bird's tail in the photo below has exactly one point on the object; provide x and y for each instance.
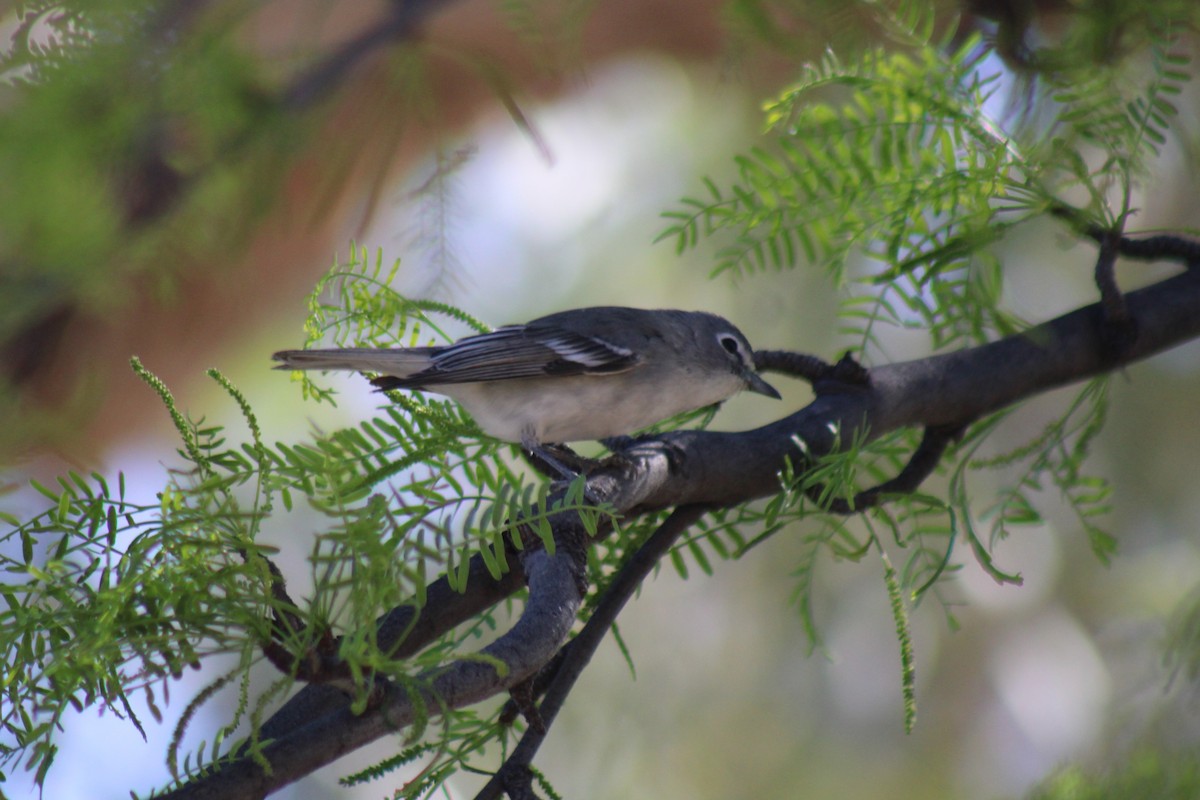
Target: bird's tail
(400, 362)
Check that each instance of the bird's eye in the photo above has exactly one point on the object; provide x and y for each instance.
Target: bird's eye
(730, 343)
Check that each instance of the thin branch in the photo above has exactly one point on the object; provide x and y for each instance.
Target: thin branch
(824, 377)
(1145, 248)
(515, 771)
(315, 84)
(1111, 299)
(1160, 248)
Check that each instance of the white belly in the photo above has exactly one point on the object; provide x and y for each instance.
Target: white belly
(584, 407)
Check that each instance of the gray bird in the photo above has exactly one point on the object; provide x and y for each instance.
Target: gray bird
(588, 373)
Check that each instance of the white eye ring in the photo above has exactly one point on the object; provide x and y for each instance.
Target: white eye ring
(730, 343)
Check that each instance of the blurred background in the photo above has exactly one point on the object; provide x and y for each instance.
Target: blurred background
(529, 176)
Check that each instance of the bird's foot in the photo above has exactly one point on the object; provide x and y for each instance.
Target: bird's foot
(558, 460)
(561, 462)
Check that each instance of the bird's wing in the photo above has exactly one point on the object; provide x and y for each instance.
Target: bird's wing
(517, 351)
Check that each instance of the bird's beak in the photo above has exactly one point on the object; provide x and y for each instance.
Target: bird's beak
(755, 383)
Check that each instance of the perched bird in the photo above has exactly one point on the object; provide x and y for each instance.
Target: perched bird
(588, 373)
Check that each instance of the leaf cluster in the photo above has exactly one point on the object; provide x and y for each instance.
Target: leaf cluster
(1054, 458)
(900, 167)
(890, 171)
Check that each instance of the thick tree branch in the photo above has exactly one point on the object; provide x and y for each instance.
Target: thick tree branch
(946, 389)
